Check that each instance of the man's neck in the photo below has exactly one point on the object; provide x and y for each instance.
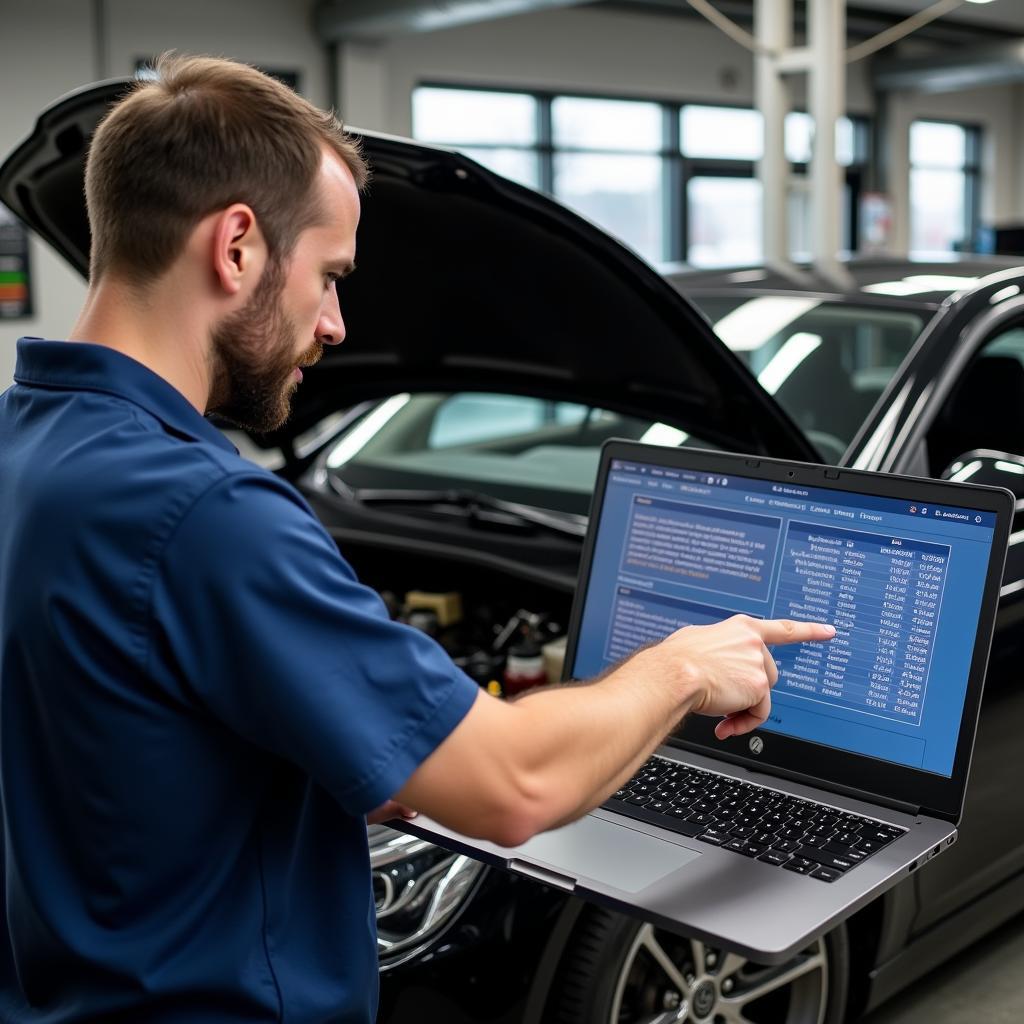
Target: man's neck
(153, 329)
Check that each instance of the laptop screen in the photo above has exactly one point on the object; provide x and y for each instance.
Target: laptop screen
(899, 580)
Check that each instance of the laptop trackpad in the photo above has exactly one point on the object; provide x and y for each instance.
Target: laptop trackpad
(615, 855)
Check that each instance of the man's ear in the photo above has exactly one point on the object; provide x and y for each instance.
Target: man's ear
(239, 249)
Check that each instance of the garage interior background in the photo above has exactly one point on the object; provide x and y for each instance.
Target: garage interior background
(658, 51)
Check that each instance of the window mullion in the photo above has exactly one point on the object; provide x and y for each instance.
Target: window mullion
(673, 186)
(545, 146)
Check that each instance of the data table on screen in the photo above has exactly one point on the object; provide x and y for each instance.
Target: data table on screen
(883, 594)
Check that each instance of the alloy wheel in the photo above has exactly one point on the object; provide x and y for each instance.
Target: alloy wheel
(665, 978)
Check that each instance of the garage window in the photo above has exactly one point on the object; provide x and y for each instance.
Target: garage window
(944, 174)
(498, 129)
(607, 164)
(676, 181)
(722, 211)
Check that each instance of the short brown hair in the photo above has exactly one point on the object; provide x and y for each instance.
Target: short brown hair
(202, 134)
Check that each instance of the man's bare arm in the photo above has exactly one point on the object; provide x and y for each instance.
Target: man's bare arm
(510, 770)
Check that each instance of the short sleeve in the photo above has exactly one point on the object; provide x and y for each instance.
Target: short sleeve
(257, 618)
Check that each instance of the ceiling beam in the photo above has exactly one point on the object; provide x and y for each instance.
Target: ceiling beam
(861, 22)
(989, 65)
(337, 21)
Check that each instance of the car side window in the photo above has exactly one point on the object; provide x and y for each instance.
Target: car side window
(985, 409)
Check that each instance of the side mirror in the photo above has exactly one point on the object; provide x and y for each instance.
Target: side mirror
(998, 469)
(984, 466)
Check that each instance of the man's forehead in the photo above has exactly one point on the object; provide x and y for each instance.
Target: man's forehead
(339, 198)
(336, 174)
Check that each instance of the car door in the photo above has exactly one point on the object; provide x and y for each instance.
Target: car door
(971, 401)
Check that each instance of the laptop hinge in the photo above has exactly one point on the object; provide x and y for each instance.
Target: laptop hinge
(810, 780)
(539, 874)
(857, 794)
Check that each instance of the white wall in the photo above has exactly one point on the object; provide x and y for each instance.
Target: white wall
(38, 64)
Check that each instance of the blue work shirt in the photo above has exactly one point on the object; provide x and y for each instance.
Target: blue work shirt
(198, 704)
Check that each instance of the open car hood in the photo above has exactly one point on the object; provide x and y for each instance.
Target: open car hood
(466, 281)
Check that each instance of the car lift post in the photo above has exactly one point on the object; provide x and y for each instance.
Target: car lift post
(823, 60)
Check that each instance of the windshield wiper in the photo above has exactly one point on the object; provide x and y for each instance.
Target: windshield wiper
(475, 507)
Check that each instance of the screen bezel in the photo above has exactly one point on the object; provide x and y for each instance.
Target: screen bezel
(888, 781)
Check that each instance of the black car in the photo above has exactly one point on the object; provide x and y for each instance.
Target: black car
(495, 341)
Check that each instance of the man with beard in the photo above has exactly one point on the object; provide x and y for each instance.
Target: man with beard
(199, 703)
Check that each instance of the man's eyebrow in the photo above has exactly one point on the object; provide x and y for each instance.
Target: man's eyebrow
(347, 269)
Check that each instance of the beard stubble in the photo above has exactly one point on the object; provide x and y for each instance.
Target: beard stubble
(253, 353)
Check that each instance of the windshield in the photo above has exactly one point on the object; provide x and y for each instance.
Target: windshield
(826, 363)
(512, 447)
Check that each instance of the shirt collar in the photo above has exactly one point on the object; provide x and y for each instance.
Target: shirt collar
(82, 366)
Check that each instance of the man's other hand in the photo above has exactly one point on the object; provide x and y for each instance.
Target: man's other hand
(389, 810)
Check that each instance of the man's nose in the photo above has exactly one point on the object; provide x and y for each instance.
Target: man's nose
(330, 328)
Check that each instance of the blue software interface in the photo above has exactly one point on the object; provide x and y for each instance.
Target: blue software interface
(901, 581)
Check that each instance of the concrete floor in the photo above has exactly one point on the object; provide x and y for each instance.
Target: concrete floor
(982, 986)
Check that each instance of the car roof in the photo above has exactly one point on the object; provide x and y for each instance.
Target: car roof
(883, 281)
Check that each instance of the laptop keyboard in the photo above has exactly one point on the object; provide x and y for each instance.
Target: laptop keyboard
(785, 831)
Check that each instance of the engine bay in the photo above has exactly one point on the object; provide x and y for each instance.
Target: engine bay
(507, 633)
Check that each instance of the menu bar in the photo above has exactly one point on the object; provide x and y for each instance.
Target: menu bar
(842, 506)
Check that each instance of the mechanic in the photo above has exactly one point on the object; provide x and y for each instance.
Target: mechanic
(200, 705)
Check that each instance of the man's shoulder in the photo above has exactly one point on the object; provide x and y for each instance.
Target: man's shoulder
(134, 481)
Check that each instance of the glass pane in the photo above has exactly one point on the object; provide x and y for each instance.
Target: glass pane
(826, 363)
(798, 219)
(937, 145)
(725, 221)
(515, 447)
(466, 418)
(606, 124)
(518, 164)
(798, 213)
(799, 133)
(937, 216)
(621, 193)
(846, 141)
(464, 115)
(728, 133)
(470, 418)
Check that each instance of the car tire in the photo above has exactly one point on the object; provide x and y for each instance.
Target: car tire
(617, 970)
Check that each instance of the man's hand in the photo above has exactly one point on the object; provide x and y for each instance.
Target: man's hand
(733, 665)
(388, 810)
(512, 769)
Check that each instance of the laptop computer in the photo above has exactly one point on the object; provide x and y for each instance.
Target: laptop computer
(762, 842)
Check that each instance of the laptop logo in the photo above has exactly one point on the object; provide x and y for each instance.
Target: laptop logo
(756, 745)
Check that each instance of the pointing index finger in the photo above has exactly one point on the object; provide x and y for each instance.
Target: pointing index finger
(790, 631)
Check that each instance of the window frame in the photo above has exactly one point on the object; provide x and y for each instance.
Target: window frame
(677, 168)
(971, 170)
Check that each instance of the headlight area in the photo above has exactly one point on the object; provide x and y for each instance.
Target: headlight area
(418, 888)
